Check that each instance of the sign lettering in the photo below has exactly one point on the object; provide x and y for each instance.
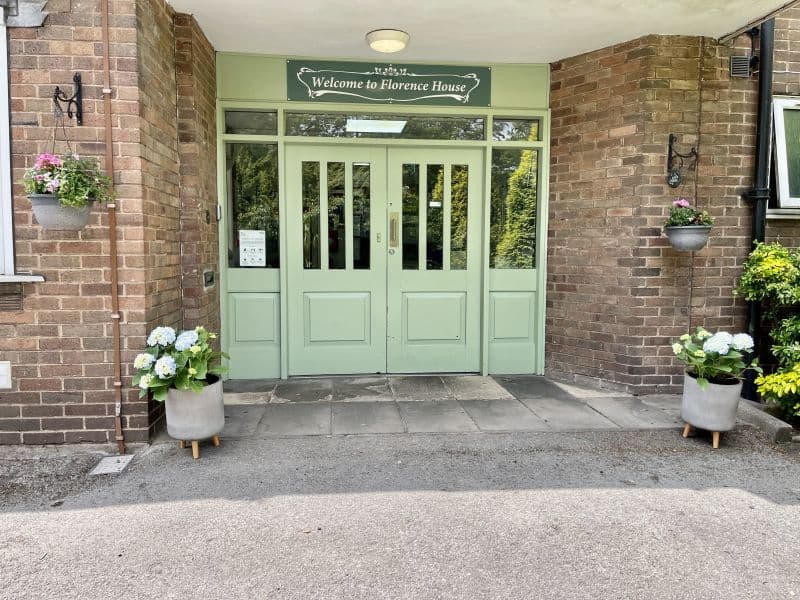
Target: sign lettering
(388, 84)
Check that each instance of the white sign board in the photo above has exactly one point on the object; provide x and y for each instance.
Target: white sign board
(252, 248)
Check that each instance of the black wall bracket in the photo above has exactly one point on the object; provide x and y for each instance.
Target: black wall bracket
(74, 103)
(674, 171)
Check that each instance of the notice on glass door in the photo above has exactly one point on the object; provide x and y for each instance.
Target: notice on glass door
(252, 248)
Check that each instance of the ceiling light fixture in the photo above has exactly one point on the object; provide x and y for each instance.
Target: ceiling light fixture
(387, 40)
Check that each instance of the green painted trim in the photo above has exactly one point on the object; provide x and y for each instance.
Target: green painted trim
(542, 224)
(263, 78)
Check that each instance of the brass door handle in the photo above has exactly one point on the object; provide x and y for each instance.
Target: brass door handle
(394, 218)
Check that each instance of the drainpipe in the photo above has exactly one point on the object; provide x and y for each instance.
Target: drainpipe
(759, 193)
(119, 436)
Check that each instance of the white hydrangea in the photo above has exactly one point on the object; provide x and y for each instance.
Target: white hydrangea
(186, 340)
(161, 336)
(718, 344)
(165, 367)
(143, 361)
(742, 342)
(146, 380)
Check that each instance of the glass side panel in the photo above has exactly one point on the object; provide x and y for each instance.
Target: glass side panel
(336, 216)
(252, 184)
(515, 130)
(418, 127)
(459, 201)
(411, 216)
(515, 191)
(361, 215)
(251, 122)
(791, 125)
(311, 249)
(435, 211)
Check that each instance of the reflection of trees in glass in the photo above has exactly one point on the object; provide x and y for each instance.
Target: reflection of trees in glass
(411, 216)
(435, 209)
(311, 225)
(514, 194)
(417, 126)
(254, 195)
(459, 197)
(791, 125)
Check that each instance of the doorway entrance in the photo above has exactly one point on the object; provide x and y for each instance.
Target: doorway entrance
(384, 248)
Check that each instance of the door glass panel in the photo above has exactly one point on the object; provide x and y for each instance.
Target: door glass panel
(361, 215)
(435, 210)
(515, 190)
(515, 130)
(311, 249)
(252, 180)
(411, 216)
(459, 198)
(336, 216)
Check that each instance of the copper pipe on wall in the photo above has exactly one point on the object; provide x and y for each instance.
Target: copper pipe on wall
(119, 436)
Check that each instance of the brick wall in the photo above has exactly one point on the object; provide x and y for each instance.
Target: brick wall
(197, 146)
(617, 292)
(59, 344)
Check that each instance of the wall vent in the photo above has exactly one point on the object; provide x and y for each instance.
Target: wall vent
(740, 66)
(10, 297)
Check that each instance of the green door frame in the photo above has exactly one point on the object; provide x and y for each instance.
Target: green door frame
(492, 280)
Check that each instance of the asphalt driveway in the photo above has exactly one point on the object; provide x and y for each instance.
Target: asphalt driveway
(608, 514)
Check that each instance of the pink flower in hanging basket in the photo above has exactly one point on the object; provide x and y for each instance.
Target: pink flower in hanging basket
(681, 202)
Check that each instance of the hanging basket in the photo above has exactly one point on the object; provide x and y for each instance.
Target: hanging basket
(50, 214)
(688, 238)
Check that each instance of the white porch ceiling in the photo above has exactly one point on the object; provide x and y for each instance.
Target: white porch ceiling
(485, 31)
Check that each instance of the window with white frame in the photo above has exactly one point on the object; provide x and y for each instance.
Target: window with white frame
(786, 112)
(6, 210)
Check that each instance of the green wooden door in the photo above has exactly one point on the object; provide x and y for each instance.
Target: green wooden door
(336, 250)
(434, 270)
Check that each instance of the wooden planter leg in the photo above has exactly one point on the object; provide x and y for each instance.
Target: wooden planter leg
(181, 444)
(195, 449)
(215, 440)
(686, 429)
(715, 439)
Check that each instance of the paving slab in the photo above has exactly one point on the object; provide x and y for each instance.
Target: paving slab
(503, 415)
(669, 404)
(295, 418)
(475, 387)
(303, 390)
(417, 388)
(232, 398)
(362, 389)
(578, 391)
(568, 415)
(242, 420)
(631, 413)
(436, 416)
(241, 386)
(366, 417)
(531, 386)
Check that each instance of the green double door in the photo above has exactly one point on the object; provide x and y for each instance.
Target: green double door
(384, 248)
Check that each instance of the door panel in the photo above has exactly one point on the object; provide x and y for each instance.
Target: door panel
(337, 259)
(434, 274)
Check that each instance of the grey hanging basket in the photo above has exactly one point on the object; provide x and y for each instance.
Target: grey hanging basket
(50, 214)
(689, 237)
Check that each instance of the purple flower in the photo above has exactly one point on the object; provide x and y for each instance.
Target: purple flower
(682, 203)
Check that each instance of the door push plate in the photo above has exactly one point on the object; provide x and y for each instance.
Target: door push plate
(394, 223)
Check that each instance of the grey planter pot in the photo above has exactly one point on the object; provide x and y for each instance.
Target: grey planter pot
(712, 409)
(688, 238)
(51, 215)
(195, 415)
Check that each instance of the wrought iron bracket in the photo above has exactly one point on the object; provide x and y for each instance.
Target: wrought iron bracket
(674, 175)
(74, 103)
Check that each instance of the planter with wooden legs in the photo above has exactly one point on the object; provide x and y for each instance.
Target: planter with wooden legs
(195, 416)
(712, 408)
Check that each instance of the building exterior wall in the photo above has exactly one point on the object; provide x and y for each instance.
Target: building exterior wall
(60, 343)
(617, 292)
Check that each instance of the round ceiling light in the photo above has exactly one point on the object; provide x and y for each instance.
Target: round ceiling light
(387, 40)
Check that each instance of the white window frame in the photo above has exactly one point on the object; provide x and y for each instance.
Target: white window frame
(779, 105)
(6, 207)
